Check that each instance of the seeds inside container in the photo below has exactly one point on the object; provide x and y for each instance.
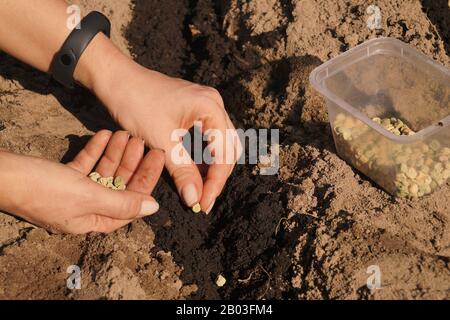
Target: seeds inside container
(387, 77)
(410, 170)
(394, 125)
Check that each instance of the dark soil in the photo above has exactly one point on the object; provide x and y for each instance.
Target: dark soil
(251, 237)
(310, 232)
(243, 238)
(438, 12)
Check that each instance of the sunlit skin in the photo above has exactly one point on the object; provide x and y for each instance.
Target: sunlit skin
(61, 198)
(147, 104)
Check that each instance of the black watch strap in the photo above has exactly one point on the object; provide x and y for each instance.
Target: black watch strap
(65, 61)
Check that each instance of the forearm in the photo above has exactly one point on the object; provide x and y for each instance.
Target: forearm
(33, 31)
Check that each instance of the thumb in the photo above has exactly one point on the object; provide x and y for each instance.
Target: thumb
(123, 205)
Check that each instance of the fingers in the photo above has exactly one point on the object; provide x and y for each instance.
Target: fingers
(185, 174)
(122, 205)
(86, 159)
(117, 209)
(203, 169)
(147, 174)
(225, 150)
(207, 108)
(213, 186)
(111, 160)
(132, 156)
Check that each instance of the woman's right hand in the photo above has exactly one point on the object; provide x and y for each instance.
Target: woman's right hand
(62, 198)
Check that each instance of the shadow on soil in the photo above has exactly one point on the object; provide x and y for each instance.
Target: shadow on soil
(438, 11)
(243, 238)
(79, 102)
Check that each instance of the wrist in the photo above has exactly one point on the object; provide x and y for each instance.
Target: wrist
(96, 68)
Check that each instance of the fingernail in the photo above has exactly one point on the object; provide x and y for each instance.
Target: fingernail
(148, 208)
(210, 207)
(189, 194)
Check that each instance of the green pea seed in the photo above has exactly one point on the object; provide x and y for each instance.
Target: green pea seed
(103, 181)
(385, 122)
(346, 134)
(95, 176)
(414, 189)
(110, 185)
(411, 173)
(119, 181)
(377, 120)
(446, 174)
(435, 145)
(445, 151)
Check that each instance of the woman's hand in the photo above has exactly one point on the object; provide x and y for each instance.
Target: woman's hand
(153, 106)
(61, 198)
(146, 103)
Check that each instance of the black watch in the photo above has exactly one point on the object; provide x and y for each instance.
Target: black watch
(66, 60)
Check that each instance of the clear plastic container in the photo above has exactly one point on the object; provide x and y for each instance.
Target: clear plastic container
(386, 78)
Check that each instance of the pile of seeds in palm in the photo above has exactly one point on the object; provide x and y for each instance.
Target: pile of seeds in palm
(117, 183)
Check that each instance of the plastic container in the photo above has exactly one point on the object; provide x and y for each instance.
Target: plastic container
(387, 78)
